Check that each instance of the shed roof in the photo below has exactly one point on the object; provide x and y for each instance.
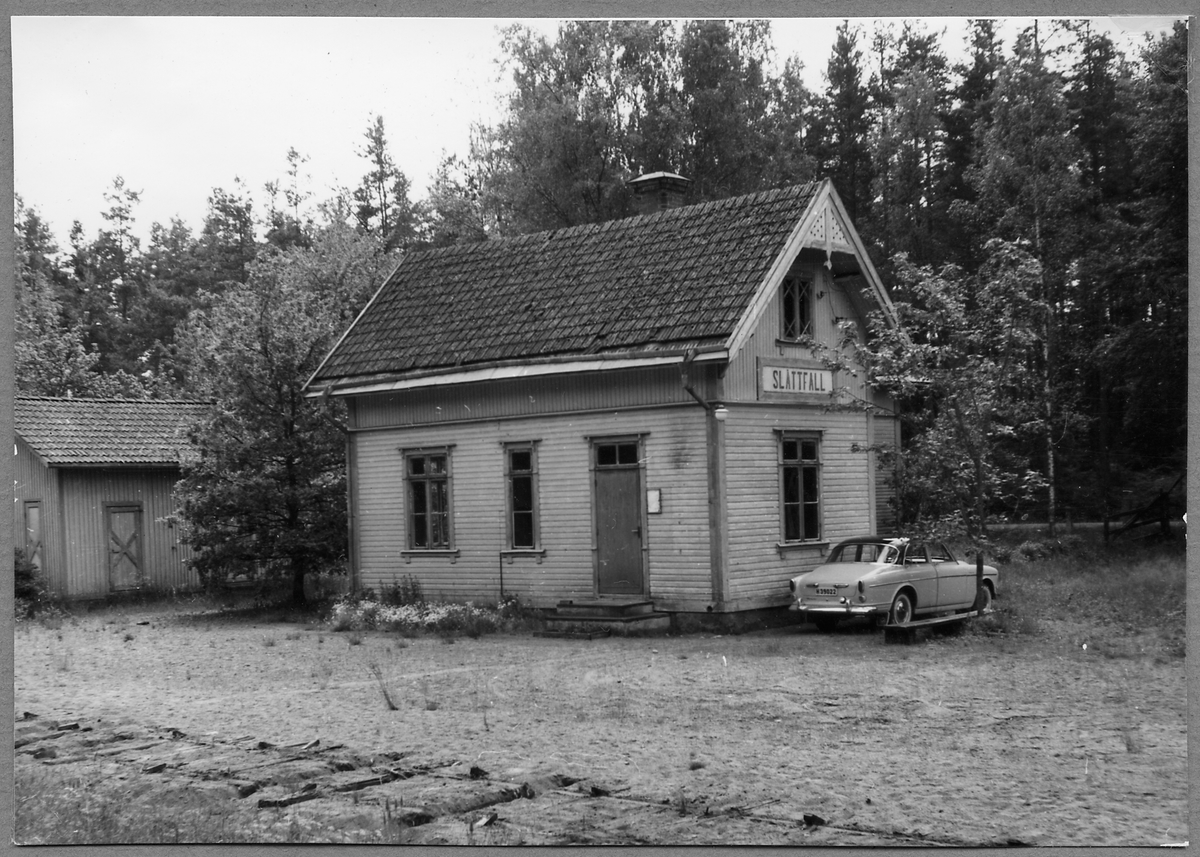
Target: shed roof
(97, 432)
(663, 282)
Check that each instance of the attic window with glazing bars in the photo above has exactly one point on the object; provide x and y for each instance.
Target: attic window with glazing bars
(796, 309)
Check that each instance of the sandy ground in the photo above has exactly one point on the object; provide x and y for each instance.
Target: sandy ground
(773, 737)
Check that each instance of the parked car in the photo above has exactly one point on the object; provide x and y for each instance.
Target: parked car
(894, 581)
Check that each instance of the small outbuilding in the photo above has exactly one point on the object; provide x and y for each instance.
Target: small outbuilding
(647, 410)
(95, 492)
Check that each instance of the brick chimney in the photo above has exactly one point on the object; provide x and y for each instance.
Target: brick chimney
(658, 192)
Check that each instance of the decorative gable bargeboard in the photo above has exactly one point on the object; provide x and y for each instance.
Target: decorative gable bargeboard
(625, 410)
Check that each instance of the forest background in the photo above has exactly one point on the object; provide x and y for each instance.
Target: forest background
(1026, 207)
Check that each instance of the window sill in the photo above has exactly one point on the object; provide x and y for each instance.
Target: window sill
(807, 342)
(788, 547)
(451, 553)
(514, 553)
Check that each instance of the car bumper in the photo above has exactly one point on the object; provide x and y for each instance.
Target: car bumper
(840, 610)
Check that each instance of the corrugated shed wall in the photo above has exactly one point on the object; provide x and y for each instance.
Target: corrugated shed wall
(757, 568)
(85, 493)
(677, 539)
(34, 481)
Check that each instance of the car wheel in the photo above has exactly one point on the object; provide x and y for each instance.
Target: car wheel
(825, 624)
(902, 610)
(984, 599)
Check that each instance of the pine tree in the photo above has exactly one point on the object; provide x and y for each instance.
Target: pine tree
(843, 125)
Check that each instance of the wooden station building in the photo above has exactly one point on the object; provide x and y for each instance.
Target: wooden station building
(94, 492)
(624, 411)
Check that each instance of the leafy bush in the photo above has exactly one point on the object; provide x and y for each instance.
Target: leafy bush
(29, 588)
(1032, 551)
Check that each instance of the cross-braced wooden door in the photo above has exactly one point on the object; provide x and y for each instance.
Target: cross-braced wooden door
(124, 547)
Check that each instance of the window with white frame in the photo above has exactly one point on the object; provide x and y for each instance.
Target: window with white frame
(800, 486)
(796, 309)
(520, 465)
(427, 473)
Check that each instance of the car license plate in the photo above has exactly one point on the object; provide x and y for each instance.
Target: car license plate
(826, 590)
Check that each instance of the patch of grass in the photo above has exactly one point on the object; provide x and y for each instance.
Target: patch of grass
(385, 688)
(1133, 740)
(55, 807)
(431, 704)
(1126, 589)
(355, 638)
(60, 809)
(322, 673)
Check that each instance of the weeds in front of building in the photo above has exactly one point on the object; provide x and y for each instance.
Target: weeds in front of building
(401, 608)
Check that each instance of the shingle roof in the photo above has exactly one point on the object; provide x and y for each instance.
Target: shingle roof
(92, 432)
(684, 276)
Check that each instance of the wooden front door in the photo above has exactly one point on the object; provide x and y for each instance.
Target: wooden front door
(124, 547)
(618, 496)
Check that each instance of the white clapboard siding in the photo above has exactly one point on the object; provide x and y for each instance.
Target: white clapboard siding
(757, 568)
(677, 539)
(741, 380)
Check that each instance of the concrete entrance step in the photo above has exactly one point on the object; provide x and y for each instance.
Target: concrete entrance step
(613, 615)
(604, 608)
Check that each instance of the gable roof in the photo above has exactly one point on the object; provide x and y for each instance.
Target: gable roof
(98, 432)
(664, 283)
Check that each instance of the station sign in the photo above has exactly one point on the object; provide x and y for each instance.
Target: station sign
(786, 381)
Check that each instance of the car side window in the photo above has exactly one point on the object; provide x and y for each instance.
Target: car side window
(938, 553)
(916, 554)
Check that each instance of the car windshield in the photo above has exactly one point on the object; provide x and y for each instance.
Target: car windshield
(863, 552)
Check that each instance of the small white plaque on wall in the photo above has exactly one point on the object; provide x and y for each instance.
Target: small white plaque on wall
(654, 501)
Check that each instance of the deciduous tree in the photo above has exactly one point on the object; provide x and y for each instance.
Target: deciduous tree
(962, 363)
(266, 488)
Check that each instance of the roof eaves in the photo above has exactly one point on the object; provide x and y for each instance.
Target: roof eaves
(498, 369)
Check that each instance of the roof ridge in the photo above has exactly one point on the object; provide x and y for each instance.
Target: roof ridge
(696, 208)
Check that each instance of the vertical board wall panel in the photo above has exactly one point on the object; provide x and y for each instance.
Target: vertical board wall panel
(677, 539)
(757, 568)
(85, 494)
(32, 480)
